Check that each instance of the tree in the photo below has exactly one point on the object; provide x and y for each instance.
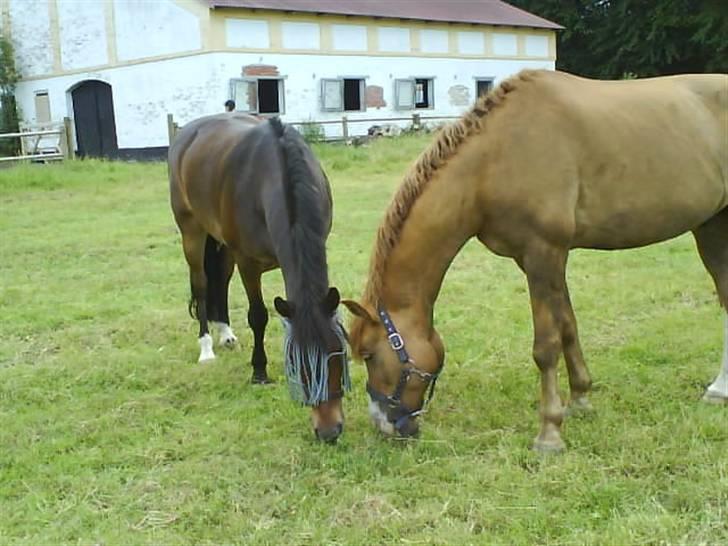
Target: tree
(9, 77)
(611, 38)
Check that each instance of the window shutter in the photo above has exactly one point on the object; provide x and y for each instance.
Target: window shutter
(332, 95)
(245, 95)
(404, 94)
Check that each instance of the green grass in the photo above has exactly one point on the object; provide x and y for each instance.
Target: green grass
(111, 434)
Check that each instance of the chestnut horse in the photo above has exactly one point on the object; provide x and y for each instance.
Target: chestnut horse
(545, 163)
(250, 192)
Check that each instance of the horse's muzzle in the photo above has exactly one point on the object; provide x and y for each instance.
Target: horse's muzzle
(330, 434)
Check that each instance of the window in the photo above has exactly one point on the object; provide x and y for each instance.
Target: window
(414, 93)
(343, 95)
(483, 86)
(258, 95)
(42, 107)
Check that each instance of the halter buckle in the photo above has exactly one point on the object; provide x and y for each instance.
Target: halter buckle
(395, 341)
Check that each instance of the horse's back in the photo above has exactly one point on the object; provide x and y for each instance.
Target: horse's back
(215, 164)
(622, 163)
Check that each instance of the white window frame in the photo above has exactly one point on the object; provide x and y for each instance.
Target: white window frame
(252, 81)
(339, 81)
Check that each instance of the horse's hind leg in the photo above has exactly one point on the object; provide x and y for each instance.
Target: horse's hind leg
(257, 317)
(193, 244)
(219, 266)
(712, 240)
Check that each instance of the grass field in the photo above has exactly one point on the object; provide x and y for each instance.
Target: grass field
(111, 434)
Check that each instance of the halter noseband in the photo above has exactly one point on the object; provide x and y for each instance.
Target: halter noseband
(394, 402)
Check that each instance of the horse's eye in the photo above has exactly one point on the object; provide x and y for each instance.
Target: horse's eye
(366, 357)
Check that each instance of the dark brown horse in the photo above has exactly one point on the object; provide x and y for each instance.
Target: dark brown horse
(545, 163)
(250, 193)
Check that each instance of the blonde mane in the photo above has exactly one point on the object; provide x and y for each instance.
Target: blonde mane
(417, 178)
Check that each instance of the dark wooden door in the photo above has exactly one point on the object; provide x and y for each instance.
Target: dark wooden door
(93, 112)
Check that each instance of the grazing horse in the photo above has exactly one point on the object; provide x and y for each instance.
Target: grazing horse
(250, 193)
(545, 163)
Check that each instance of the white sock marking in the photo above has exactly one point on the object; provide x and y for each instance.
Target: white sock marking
(206, 352)
(718, 390)
(225, 334)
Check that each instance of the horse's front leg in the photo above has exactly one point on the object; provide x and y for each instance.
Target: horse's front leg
(257, 319)
(545, 271)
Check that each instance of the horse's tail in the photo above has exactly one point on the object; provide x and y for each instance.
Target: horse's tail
(215, 257)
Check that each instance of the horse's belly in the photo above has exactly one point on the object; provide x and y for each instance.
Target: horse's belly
(636, 228)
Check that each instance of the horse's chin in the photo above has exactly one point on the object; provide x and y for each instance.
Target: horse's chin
(379, 418)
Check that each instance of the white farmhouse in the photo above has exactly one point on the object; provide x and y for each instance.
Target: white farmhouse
(118, 67)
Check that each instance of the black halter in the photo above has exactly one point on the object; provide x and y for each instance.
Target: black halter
(394, 402)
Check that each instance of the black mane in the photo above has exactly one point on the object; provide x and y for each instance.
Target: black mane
(306, 203)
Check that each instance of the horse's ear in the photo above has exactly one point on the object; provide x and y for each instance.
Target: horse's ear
(284, 308)
(331, 301)
(358, 310)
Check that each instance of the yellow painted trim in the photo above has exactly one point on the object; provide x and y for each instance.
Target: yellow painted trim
(372, 40)
(326, 38)
(415, 40)
(55, 31)
(275, 35)
(452, 42)
(488, 44)
(212, 26)
(110, 26)
(552, 45)
(195, 53)
(521, 44)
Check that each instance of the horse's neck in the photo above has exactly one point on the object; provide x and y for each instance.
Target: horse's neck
(442, 220)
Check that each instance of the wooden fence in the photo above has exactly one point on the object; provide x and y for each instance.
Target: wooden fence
(46, 142)
(417, 121)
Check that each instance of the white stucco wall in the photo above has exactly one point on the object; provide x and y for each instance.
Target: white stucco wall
(31, 36)
(82, 32)
(147, 28)
(197, 85)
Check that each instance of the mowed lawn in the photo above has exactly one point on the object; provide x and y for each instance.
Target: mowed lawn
(111, 433)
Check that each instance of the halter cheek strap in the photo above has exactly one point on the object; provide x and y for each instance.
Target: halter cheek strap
(395, 340)
(394, 402)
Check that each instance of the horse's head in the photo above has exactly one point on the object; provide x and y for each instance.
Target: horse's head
(403, 363)
(316, 361)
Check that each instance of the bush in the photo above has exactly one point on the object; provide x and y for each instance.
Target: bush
(312, 132)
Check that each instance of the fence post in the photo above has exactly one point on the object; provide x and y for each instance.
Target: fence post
(344, 128)
(171, 128)
(67, 138)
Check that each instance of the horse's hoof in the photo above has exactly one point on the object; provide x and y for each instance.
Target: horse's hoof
(579, 406)
(261, 380)
(206, 360)
(547, 447)
(712, 397)
(229, 342)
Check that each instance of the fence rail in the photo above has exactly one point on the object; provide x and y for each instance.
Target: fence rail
(416, 120)
(31, 148)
